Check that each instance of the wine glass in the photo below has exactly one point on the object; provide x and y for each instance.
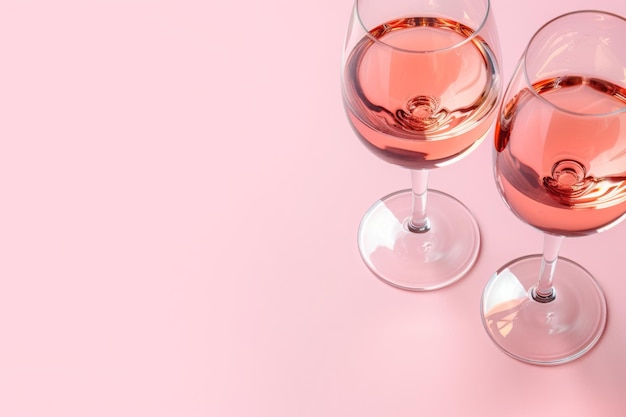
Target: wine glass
(560, 166)
(421, 85)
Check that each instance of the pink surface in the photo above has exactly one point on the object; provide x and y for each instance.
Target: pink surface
(180, 198)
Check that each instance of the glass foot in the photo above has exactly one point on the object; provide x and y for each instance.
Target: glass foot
(419, 261)
(548, 333)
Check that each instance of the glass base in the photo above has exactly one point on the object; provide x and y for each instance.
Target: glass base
(419, 261)
(549, 333)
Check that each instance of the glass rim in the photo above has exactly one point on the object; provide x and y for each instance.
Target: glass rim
(529, 84)
(473, 36)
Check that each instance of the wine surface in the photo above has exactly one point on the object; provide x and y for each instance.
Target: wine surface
(421, 109)
(561, 155)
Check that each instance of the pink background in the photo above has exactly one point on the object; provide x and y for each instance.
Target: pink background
(180, 198)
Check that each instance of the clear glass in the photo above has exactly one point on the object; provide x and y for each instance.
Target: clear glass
(560, 166)
(421, 86)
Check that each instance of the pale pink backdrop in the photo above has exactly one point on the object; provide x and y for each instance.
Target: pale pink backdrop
(180, 193)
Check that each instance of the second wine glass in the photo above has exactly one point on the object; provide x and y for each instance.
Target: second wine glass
(560, 165)
(420, 82)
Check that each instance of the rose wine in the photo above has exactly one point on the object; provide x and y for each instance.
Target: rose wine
(561, 155)
(420, 92)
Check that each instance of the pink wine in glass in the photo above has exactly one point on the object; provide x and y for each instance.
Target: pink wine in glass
(421, 109)
(577, 184)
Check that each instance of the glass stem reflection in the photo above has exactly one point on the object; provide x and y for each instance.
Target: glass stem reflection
(544, 291)
(418, 223)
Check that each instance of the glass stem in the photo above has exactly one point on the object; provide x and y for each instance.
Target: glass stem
(544, 291)
(418, 223)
